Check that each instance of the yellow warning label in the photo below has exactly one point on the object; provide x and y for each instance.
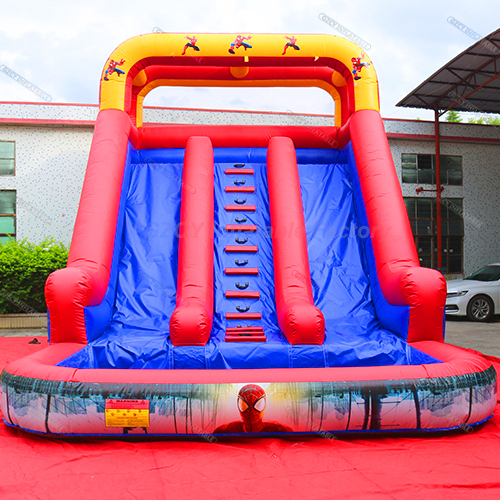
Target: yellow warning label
(128, 417)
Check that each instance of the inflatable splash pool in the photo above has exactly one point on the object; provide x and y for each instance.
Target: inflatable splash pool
(243, 280)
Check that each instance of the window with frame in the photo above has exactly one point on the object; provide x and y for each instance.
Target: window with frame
(422, 215)
(421, 169)
(7, 215)
(7, 158)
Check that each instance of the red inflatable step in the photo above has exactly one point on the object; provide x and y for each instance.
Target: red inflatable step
(237, 228)
(240, 189)
(244, 329)
(240, 208)
(243, 316)
(244, 171)
(236, 294)
(243, 338)
(241, 248)
(233, 271)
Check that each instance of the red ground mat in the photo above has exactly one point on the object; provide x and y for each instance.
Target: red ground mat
(462, 465)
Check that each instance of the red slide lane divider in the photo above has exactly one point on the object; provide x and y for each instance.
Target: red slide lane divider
(299, 319)
(191, 321)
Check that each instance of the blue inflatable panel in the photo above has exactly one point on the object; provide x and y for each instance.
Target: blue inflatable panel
(344, 282)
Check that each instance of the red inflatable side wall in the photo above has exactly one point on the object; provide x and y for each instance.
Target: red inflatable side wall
(191, 322)
(84, 282)
(401, 278)
(456, 361)
(299, 320)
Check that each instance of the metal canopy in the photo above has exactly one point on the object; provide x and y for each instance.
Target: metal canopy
(469, 82)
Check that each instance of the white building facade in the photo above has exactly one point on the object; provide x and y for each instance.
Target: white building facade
(44, 150)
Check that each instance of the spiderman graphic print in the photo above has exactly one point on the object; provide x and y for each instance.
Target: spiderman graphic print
(251, 405)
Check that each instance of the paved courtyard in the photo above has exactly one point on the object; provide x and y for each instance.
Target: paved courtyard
(483, 337)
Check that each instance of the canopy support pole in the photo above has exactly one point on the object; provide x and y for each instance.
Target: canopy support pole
(438, 190)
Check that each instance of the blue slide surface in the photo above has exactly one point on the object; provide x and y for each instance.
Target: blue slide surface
(361, 328)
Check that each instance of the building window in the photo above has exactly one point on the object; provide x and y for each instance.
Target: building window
(7, 215)
(421, 169)
(7, 157)
(422, 215)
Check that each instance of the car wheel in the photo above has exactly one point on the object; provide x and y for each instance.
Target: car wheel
(480, 308)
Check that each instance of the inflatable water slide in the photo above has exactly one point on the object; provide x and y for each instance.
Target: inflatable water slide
(243, 280)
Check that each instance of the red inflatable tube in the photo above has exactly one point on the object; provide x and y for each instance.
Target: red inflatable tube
(191, 322)
(401, 278)
(216, 69)
(84, 282)
(299, 320)
(238, 136)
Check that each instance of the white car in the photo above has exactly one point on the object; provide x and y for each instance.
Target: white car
(477, 296)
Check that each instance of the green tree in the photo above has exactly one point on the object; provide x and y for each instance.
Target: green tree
(490, 120)
(24, 268)
(493, 120)
(477, 121)
(453, 116)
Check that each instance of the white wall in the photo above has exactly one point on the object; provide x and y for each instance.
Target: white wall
(50, 166)
(481, 182)
(51, 162)
(51, 158)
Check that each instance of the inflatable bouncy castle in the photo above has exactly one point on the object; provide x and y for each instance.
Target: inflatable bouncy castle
(243, 280)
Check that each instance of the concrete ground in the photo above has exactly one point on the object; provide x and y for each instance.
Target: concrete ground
(483, 337)
(20, 332)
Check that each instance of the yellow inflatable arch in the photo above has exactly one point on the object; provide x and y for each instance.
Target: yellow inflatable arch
(145, 62)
